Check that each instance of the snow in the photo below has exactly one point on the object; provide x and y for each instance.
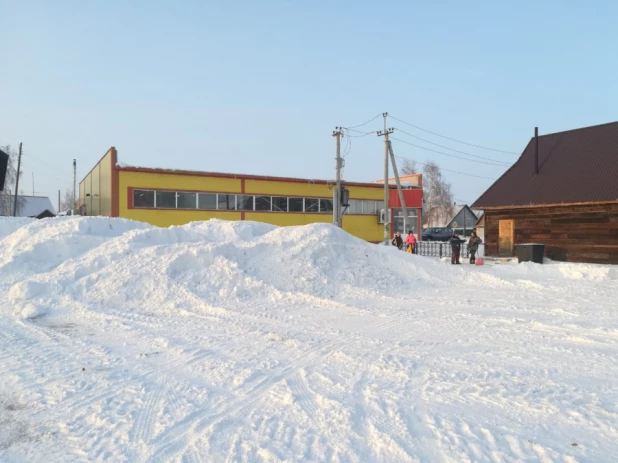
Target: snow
(9, 225)
(240, 341)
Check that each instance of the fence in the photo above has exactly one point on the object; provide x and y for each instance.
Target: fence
(439, 249)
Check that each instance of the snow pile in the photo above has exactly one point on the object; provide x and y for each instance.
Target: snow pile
(240, 341)
(117, 263)
(9, 225)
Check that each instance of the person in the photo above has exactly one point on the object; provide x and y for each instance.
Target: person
(456, 248)
(473, 246)
(410, 242)
(398, 241)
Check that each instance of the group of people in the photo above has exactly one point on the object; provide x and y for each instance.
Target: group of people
(455, 242)
(473, 247)
(410, 242)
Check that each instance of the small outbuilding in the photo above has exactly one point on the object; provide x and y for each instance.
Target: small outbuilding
(561, 192)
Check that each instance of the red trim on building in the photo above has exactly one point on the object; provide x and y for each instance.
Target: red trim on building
(413, 198)
(130, 199)
(116, 184)
(242, 186)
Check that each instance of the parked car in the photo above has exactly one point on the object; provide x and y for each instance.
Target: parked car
(437, 234)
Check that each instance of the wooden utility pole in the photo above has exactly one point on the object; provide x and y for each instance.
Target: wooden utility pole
(32, 183)
(17, 182)
(387, 212)
(74, 186)
(399, 189)
(59, 211)
(337, 216)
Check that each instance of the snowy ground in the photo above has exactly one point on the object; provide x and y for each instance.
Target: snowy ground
(223, 341)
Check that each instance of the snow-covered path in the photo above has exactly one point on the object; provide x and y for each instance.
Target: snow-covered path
(241, 342)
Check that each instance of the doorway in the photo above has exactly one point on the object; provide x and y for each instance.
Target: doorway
(505, 238)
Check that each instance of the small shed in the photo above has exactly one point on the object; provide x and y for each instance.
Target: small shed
(561, 192)
(38, 207)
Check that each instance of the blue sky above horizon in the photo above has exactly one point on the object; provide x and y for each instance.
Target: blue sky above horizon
(257, 88)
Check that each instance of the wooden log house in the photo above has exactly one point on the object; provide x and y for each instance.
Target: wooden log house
(561, 192)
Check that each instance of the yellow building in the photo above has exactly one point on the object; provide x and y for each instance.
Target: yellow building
(169, 197)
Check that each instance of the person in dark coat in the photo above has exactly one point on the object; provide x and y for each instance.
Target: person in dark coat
(398, 241)
(456, 248)
(473, 246)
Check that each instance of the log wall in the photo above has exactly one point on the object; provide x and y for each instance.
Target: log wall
(582, 233)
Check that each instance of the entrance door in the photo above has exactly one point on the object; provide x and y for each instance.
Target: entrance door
(505, 238)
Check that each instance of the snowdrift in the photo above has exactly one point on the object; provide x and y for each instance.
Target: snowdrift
(9, 225)
(121, 263)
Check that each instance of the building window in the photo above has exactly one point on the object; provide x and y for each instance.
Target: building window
(232, 202)
(372, 207)
(295, 204)
(280, 204)
(186, 200)
(244, 202)
(312, 205)
(262, 203)
(326, 205)
(166, 199)
(226, 202)
(143, 198)
(207, 201)
(356, 207)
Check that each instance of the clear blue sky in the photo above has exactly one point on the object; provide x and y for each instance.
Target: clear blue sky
(257, 87)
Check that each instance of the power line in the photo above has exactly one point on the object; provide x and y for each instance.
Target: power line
(454, 139)
(452, 149)
(446, 170)
(362, 134)
(450, 155)
(364, 123)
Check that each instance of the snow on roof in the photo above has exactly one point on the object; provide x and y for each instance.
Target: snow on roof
(31, 206)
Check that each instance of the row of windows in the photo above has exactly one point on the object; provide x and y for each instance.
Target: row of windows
(232, 202)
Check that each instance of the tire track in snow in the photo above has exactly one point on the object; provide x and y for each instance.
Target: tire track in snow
(198, 422)
(305, 398)
(143, 426)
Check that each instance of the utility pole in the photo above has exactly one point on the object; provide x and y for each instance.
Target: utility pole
(74, 186)
(387, 213)
(337, 217)
(32, 183)
(59, 211)
(17, 182)
(399, 189)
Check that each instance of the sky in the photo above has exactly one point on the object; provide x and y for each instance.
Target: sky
(258, 87)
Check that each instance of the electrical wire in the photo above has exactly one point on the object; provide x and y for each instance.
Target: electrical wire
(454, 139)
(362, 134)
(364, 123)
(446, 170)
(450, 155)
(452, 149)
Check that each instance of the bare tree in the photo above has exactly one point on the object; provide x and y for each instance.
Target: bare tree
(438, 207)
(7, 196)
(409, 167)
(66, 204)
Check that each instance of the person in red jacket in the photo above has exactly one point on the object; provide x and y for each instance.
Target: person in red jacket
(410, 242)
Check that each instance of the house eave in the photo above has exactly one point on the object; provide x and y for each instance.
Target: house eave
(529, 206)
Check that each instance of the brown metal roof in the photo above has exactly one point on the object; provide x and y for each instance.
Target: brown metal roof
(575, 166)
